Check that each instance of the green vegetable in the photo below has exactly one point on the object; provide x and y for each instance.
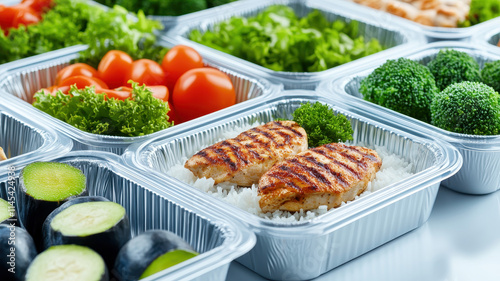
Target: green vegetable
(491, 75)
(467, 108)
(481, 11)
(277, 39)
(165, 7)
(452, 66)
(322, 125)
(72, 22)
(93, 113)
(402, 85)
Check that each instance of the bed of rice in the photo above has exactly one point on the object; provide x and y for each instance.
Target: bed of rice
(394, 168)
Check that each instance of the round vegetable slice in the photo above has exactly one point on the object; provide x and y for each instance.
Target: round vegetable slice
(44, 186)
(6, 211)
(91, 221)
(68, 262)
(77, 69)
(114, 68)
(149, 253)
(202, 91)
(177, 61)
(17, 251)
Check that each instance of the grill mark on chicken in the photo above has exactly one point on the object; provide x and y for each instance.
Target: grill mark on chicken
(295, 132)
(326, 175)
(243, 159)
(343, 165)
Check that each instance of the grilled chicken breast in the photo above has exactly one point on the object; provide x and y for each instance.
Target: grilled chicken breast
(325, 175)
(244, 159)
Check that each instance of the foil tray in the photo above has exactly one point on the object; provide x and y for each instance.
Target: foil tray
(393, 37)
(23, 80)
(305, 250)
(150, 206)
(481, 154)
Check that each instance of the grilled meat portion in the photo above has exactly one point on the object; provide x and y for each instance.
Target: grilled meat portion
(325, 175)
(244, 159)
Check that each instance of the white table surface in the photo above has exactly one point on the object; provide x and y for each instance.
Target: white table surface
(460, 241)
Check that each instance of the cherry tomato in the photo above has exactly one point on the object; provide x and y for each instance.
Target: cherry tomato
(52, 90)
(7, 16)
(83, 81)
(77, 69)
(37, 5)
(116, 94)
(114, 68)
(26, 16)
(177, 61)
(159, 92)
(145, 71)
(172, 117)
(202, 91)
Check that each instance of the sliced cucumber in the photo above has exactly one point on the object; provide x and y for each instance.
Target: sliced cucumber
(91, 221)
(5, 211)
(44, 186)
(17, 251)
(68, 262)
(149, 253)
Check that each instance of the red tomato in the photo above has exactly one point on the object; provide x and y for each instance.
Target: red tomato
(145, 71)
(114, 68)
(116, 94)
(177, 61)
(83, 81)
(202, 91)
(172, 117)
(37, 5)
(159, 92)
(7, 16)
(52, 90)
(77, 69)
(26, 16)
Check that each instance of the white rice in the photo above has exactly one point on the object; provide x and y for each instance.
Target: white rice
(394, 169)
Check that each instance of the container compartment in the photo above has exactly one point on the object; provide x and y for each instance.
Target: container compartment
(24, 140)
(393, 37)
(481, 154)
(305, 250)
(150, 206)
(22, 81)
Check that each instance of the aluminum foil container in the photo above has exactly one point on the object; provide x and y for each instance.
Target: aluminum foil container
(149, 205)
(393, 37)
(23, 80)
(305, 250)
(481, 154)
(433, 33)
(24, 140)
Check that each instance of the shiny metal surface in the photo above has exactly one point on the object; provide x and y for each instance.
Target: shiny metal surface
(22, 80)
(304, 250)
(393, 37)
(481, 154)
(150, 206)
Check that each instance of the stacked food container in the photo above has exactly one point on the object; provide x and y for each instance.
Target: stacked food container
(415, 227)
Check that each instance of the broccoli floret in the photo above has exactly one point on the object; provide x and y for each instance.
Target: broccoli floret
(483, 10)
(402, 85)
(322, 125)
(468, 108)
(452, 66)
(491, 75)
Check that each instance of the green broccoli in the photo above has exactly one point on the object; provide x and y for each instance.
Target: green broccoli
(468, 108)
(322, 125)
(452, 66)
(402, 85)
(491, 75)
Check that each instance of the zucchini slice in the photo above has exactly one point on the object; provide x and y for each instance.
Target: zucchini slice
(68, 262)
(17, 251)
(91, 221)
(44, 186)
(7, 212)
(149, 253)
